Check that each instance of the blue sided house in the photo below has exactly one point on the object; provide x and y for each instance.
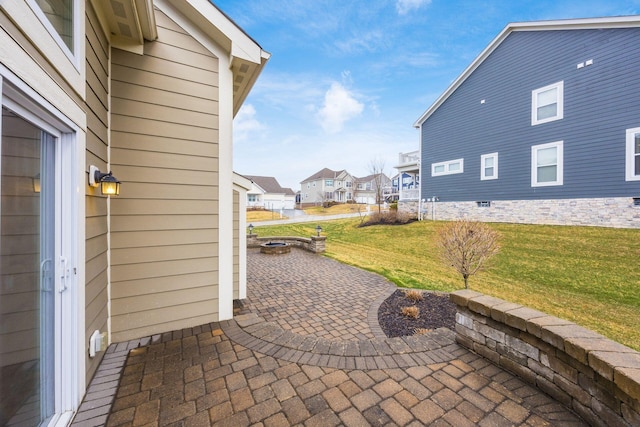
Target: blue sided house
(543, 127)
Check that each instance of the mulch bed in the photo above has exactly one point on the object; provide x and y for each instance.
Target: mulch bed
(436, 311)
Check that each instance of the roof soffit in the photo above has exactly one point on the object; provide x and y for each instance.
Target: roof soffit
(127, 23)
(565, 24)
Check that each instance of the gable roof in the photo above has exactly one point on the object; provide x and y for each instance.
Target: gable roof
(563, 24)
(269, 184)
(325, 173)
(128, 23)
(372, 177)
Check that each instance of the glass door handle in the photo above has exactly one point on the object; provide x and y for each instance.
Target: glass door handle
(65, 274)
(46, 275)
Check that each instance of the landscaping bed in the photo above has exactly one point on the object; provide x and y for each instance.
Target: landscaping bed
(435, 311)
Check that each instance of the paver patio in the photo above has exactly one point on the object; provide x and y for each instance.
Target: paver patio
(306, 349)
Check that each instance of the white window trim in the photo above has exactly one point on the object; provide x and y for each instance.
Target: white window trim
(560, 165)
(77, 30)
(534, 103)
(447, 167)
(630, 157)
(483, 157)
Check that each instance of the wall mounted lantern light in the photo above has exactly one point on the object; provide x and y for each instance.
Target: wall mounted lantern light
(109, 184)
(318, 230)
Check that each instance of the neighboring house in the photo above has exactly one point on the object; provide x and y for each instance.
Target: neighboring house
(147, 89)
(406, 183)
(325, 186)
(266, 193)
(542, 127)
(367, 189)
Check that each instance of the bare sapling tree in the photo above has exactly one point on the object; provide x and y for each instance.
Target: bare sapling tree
(376, 169)
(467, 246)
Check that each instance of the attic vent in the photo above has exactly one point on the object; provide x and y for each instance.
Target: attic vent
(244, 68)
(239, 79)
(125, 30)
(636, 201)
(118, 9)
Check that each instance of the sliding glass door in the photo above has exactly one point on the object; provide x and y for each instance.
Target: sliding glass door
(27, 266)
(40, 363)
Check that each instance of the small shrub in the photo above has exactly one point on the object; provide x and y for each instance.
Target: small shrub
(412, 312)
(414, 295)
(329, 204)
(388, 218)
(467, 246)
(393, 206)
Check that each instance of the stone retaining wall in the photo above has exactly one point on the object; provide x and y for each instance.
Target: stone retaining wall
(618, 212)
(316, 244)
(596, 377)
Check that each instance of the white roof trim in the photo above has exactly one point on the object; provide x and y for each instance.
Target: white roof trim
(564, 24)
(241, 181)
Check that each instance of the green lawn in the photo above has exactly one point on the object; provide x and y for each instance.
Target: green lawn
(588, 275)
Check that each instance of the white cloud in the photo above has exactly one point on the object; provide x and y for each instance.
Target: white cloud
(339, 107)
(370, 41)
(245, 123)
(405, 6)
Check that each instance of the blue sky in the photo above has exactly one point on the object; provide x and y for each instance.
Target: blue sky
(347, 79)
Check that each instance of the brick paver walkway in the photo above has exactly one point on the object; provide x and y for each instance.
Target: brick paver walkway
(271, 366)
(311, 295)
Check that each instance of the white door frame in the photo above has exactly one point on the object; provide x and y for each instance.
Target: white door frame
(69, 291)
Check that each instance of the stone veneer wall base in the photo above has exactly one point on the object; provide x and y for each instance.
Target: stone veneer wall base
(594, 376)
(619, 212)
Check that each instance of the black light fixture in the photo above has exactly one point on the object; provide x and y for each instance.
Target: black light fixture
(250, 229)
(318, 229)
(109, 184)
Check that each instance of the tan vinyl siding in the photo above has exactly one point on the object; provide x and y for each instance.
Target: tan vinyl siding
(97, 104)
(164, 224)
(7, 25)
(236, 244)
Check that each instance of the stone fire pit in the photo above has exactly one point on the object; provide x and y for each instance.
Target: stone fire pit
(275, 248)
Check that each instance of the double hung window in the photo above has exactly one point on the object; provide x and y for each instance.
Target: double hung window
(633, 155)
(489, 166)
(547, 104)
(547, 164)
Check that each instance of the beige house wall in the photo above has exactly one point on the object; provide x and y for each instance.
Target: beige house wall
(164, 224)
(97, 109)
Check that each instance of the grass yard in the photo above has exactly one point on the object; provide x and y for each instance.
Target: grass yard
(588, 275)
(338, 209)
(260, 215)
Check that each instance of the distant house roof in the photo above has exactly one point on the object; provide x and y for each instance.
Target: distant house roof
(565, 24)
(370, 178)
(325, 173)
(270, 185)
